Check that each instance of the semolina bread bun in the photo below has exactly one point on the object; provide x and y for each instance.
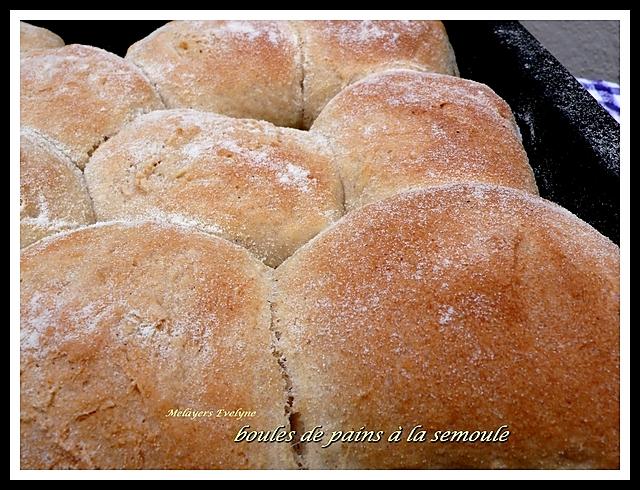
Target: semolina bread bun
(80, 96)
(336, 53)
(121, 323)
(225, 287)
(246, 69)
(32, 37)
(53, 194)
(402, 129)
(267, 188)
(462, 307)
(279, 71)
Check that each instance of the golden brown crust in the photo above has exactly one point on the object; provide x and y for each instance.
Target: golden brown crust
(32, 37)
(267, 188)
(80, 96)
(401, 129)
(276, 70)
(463, 307)
(53, 194)
(246, 69)
(121, 323)
(336, 53)
(457, 307)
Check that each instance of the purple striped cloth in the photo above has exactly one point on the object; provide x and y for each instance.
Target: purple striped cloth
(606, 93)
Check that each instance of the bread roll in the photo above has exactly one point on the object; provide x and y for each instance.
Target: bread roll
(402, 129)
(121, 323)
(269, 189)
(80, 96)
(338, 52)
(239, 68)
(53, 194)
(32, 37)
(463, 307)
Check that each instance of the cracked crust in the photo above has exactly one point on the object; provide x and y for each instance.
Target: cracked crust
(32, 37)
(121, 323)
(80, 96)
(402, 129)
(53, 194)
(462, 307)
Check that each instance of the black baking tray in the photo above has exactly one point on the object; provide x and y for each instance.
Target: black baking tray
(572, 142)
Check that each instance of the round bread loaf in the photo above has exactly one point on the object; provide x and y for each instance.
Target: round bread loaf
(402, 129)
(80, 96)
(238, 68)
(53, 194)
(463, 307)
(338, 52)
(122, 323)
(32, 37)
(267, 188)
(282, 72)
